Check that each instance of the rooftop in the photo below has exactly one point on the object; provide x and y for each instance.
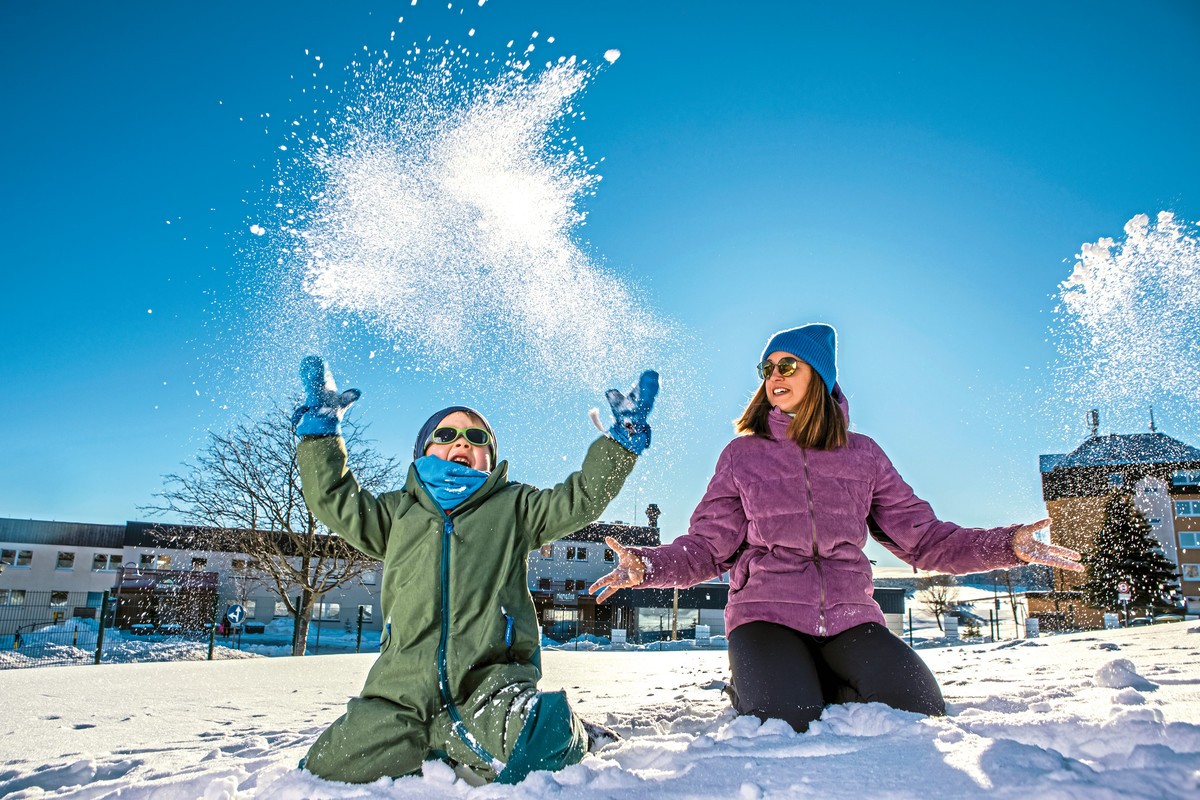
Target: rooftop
(1123, 448)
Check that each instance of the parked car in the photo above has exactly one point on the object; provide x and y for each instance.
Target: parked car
(1138, 622)
(1168, 618)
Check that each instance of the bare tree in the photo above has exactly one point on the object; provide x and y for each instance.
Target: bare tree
(1007, 580)
(939, 594)
(245, 486)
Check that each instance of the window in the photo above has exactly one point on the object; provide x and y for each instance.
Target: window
(16, 558)
(327, 611)
(281, 609)
(370, 578)
(238, 565)
(366, 612)
(1187, 508)
(58, 599)
(609, 555)
(12, 597)
(570, 584)
(1116, 479)
(249, 605)
(1191, 572)
(1155, 521)
(1187, 540)
(1185, 477)
(106, 562)
(543, 584)
(199, 564)
(577, 554)
(547, 551)
(570, 554)
(154, 561)
(66, 560)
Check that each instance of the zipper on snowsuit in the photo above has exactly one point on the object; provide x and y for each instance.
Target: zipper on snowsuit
(456, 720)
(508, 633)
(812, 516)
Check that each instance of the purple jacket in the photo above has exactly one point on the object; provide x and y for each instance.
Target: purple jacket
(790, 524)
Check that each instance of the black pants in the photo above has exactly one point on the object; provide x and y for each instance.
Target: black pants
(780, 673)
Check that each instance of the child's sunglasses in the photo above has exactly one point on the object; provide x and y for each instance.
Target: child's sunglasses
(787, 367)
(448, 435)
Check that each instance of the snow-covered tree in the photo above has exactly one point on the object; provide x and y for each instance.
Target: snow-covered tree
(1124, 549)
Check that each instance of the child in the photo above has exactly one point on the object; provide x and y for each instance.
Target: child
(787, 514)
(456, 678)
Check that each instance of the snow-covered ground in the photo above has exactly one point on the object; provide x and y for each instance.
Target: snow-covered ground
(1112, 714)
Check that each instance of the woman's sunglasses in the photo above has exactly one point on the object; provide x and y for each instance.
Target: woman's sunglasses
(787, 368)
(448, 435)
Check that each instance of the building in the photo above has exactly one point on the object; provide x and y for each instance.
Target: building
(1164, 476)
(560, 574)
(175, 578)
(165, 577)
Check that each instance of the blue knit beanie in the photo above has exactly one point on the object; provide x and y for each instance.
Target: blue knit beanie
(432, 423)
(814, 343)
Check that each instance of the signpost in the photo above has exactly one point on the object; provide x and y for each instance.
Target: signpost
(236, 615)
(1123, 597)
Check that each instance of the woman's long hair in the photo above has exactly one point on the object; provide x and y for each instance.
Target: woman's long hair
(819, 423)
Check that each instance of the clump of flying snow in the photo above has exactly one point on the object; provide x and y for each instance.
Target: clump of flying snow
(1127, 323)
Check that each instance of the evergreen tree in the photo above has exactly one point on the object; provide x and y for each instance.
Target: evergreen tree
(1125, 549)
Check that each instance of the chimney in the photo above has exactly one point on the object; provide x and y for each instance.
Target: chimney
(1094, 421)
(652, 514)
(1152, 428)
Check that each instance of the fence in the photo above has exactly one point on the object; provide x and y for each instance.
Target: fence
(47, 629)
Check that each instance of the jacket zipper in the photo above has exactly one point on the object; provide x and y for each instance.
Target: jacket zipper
(812, 516)
(456, 720)
(508, 633)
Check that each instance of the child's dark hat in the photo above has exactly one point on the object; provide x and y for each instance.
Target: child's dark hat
(432, 423)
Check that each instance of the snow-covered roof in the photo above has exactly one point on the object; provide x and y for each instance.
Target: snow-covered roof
(1124, 448)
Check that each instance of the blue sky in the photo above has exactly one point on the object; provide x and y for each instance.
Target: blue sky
(920, 176)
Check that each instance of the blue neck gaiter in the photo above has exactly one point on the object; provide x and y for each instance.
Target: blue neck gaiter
(447, 482)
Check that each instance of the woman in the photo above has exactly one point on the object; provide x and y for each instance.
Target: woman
(787, 514)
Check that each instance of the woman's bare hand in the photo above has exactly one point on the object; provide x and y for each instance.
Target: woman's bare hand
(1032, 551)
(630, 571)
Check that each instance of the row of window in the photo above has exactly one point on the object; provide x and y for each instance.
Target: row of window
(575, 553)
(570, 585)
(16, 597)
(111, 562)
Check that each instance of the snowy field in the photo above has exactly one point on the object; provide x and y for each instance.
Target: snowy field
(1112, 714)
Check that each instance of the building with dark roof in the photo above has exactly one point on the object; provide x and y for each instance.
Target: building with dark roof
(1161, 472)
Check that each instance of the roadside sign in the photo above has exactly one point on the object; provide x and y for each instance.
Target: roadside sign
(235, 614)
(1123, 587)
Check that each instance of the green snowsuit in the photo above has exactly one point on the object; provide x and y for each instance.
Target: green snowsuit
(460, 659)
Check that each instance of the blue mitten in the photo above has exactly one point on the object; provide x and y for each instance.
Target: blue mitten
(321, 412)
(631, 430)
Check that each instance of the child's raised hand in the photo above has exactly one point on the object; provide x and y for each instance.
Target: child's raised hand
(320, 414)
(1032, 551)
(630, 571)
(631, 430)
